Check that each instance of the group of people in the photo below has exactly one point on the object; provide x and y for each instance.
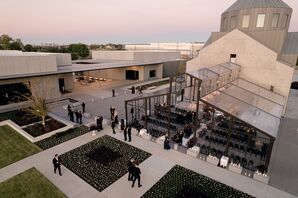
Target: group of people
(134, 172)
(133, 90)
(72, 114)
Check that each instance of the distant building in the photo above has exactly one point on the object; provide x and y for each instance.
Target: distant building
(187, 50)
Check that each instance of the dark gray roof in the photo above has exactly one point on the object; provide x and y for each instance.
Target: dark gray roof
(291, 44)
(250, 4)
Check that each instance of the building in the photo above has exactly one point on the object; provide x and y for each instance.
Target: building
(50, 74)
(187, 50)
(254, 35)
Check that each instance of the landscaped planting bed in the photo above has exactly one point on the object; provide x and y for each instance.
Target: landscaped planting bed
(14, 147)
(20, 117)
(29, 184)
(102, 161)
(39, 129)
(61, 137)
(180, 182)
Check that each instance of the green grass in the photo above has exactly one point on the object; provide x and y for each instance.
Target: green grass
(14, 147)
(29, 184)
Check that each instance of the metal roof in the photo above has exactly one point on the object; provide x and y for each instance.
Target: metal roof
(250, 4)
(291, 44)
(250, 103)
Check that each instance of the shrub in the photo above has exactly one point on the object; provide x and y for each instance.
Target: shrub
(61, 137)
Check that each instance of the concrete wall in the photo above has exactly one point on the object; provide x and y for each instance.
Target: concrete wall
(174, 68)
(63, 59)
(290, 59)
(120, 73)
(258, 63)
(68, 80)
(158, 72)
(43, 86)
(143, 56)
(26, 64)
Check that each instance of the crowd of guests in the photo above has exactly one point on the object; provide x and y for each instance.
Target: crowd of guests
(76, 115)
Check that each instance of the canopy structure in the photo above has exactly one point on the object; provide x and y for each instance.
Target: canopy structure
(250, 103)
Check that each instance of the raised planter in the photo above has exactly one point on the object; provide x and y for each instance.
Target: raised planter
(235, 168)
(160, 140)
(212, 160)
(193, 151)
(261, 177)
(134, 131)
(176, 146)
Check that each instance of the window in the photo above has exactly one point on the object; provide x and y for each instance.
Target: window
(286, 20)
(152, 74)
(233, 58)
(297, 62)
(275, 20)
(233, 22)
(245, 21)
(224, 25)
(261, 20)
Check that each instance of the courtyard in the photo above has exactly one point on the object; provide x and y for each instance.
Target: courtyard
(97, 164)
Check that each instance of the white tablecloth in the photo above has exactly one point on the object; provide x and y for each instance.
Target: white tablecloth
(143, 132)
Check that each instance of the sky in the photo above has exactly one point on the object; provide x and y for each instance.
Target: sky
(115, 21)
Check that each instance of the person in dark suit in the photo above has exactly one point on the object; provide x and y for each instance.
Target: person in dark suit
(130, 169)
(166, 144)
(100, 122)
(71, 117)
(77, 115)
(80, 117)
(83, 107)
(125, 133)
(136, 173)
(57, 164)
(113, 125)
(129, 133)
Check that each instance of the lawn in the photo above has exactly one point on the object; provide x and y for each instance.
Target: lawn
(29, 184)
(180, 182)
(14, 147)
(102, 161)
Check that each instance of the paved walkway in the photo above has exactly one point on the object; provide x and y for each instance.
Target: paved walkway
(152, 169)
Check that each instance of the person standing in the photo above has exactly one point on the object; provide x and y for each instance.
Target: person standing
(113, 92)
(80, 117)
(166, 144)
(113, 127)
(132, 112)
(182, 94)
(129, 133)
(112, 110)
(71, 117)
(100, 122)
(57, 164)
(83, 107)
(133, 90)
(68, 109)
(136, 173)
(122, 125)
(125, 133)
(140, 90)
(130, 169)
(77, 115)
(97, 120)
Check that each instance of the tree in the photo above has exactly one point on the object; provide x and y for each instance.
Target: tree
(5, 41)
(28, 48)
(39, 108)
(78, 51)
(15, 46)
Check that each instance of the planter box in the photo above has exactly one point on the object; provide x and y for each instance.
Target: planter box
(146, 136)
(194, 151)
(212, 160)
(134, 131)
(261, 178)
(235, 169)
(176, 146)
(160, 140)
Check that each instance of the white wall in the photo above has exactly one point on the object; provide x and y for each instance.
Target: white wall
(15, 64)
(258, 63)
